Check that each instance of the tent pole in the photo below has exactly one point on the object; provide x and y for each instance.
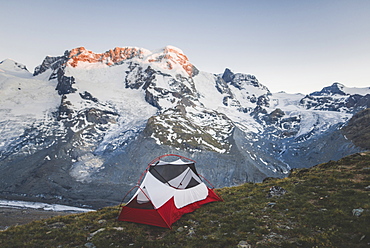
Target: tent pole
(120, 205)
(183, 178)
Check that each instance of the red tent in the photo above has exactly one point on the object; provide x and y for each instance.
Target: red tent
(168, 191)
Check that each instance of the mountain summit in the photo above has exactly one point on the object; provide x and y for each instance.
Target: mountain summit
(82, 127)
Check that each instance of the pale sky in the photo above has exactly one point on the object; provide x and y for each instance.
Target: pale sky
(289, 45)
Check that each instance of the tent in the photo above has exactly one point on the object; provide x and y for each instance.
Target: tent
(168, 191)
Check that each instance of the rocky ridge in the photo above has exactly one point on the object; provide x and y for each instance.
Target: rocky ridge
(101, 117)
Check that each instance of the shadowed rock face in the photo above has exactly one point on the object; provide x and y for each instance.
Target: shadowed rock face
(358, 129)
(105, 116)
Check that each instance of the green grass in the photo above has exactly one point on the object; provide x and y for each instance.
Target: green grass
(316, 211)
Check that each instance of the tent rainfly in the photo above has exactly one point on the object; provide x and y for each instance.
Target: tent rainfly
(168, 191)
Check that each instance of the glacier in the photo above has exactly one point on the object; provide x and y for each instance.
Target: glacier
(84, 125)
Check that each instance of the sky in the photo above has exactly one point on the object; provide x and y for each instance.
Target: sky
(294, 46)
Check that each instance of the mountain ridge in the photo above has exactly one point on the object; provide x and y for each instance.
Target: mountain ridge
(95, 120)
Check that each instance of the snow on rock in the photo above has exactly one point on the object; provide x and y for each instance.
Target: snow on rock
(111, 57)
(192, 130)
(337, 97)
(88, 115)
(339, 89)
(10, 66)
(169, 58)
(24, 102)
(172, 58)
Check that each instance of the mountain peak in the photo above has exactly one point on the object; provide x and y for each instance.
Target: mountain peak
(228, 75)
(11, 65)
(334, 89)
(170, 58)
(173, 49)
(72, 127)
(110, 57)
(339, 89)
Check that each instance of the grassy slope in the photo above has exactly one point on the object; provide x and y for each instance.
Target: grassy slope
(316, 211)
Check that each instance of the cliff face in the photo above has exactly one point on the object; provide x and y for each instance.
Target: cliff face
(83, 126)
(358, 129)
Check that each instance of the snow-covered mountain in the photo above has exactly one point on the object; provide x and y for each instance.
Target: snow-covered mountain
(83, 126)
